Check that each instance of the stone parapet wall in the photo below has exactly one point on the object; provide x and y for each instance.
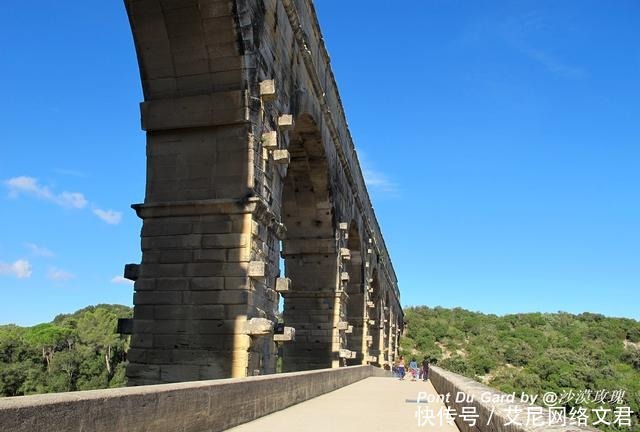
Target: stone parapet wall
(499, 413)
(185, 407)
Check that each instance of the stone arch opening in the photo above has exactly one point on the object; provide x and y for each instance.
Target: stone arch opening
(386, 330)
(375, 319)
(309, 251)
(356, 300)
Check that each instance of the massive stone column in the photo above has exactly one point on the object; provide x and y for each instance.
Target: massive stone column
(203, 302)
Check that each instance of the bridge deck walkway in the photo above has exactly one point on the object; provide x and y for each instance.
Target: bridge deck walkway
(373, 404)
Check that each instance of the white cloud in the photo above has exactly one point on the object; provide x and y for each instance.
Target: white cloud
(39, 250)
(374, 179)
(58, 275)
(554, 64)
(20, 269)
(30, 186)
(109, 216)
(68, 172)
(121, 280)
(25, 184)
(71, 199)
(378, 180)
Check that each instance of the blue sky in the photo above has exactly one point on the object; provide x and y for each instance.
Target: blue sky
(500, 141)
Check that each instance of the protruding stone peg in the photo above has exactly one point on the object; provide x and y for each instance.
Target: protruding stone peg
(344, 353)
(343, 226)
(125, 326)
(288, 335)
(258, 327)
(285, 122)
(344, 277)
(268, 90)
(283, 285)
(342, 325)
(270, 140)
(345, 253)
(349, 330)
(281, 157)
(132, 271)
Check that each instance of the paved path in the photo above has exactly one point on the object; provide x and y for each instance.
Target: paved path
(371, 405)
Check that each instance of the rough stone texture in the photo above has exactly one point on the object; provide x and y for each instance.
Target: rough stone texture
(186, 407)
(249, 159)
(446, 382)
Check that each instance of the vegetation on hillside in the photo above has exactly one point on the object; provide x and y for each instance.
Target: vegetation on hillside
(78, 351)
(533, 353)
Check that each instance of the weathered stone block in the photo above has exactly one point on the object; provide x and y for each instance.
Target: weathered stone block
(169, 297)
(288, 335)
(344, 353)
(345, 253)
(132, 271)
(283, 285)
(207, 283)
(237, 283)
(257, 269)
(285, 122)
(270, 140)
(145, 285)
(281, 157)
(172, 284)
(268, 90)
(342, 325)
(210, 255)
(224, 240)
(258, 327)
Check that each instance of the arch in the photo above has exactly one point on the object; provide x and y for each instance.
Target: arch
(309, 251)
(356, 300)
(186, 50)
(386, 329)
(307, 210)
(375, 314)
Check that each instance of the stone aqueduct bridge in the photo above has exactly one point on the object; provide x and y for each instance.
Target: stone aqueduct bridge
(250, 161)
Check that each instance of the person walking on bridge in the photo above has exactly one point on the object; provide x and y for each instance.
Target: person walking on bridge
(401, 371)
(425, 369)
(413, 368)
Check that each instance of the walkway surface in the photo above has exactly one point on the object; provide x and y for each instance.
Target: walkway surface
(373, 404)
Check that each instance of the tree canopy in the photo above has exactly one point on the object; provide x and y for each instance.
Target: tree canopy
(78, 351)
(534, 352)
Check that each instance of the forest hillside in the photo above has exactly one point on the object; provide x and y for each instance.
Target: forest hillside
(534, 352)
(78, 351)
